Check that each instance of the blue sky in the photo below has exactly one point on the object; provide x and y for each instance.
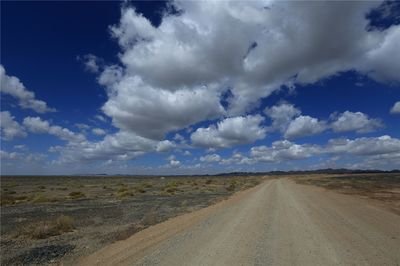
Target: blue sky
(198, 86)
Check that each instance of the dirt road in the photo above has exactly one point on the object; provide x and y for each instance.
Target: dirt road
(276, 223)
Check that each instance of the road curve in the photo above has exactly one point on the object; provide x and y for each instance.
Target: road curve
(277, 223)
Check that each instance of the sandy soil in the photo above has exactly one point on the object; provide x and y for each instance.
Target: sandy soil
(276, 223)
(108, 209)
(382, 188)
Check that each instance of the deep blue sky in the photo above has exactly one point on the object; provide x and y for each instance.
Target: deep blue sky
(44, 45)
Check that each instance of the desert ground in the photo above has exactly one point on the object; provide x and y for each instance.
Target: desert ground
(279, 222)
(54, 219)
(310, 219)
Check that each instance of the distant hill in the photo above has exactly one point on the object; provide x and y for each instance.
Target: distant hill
(319, 171)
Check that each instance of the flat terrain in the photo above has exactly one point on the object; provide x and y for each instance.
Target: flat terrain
(278, 222)
(383, 189)
(52, 219)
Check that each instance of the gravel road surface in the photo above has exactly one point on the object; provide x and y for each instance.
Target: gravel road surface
(276, 223)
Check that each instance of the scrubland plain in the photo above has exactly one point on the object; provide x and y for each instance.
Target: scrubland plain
(59, 218)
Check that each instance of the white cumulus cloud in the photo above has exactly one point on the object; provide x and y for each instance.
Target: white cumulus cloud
(229, 132)
(283, 150)
(39, 126)
(26, 99)
(174, 75)
(152, 112)
(10, 128)
(354, 121)
(396, 108)
(165, 145)
(281, 115)
(99, 131)
(304, 126)
(365, 146)
(210, 158)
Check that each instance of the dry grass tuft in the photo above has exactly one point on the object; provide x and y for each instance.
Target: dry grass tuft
(147, 185)
(170, 190)
(123, 189)
(127, 232)
(140, 190)
(231, 187)
(76, 195)
(45, 229)
(125, 194)
(40, 198)
(7, 199)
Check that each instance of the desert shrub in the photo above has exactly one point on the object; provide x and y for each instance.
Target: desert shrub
(45, 229)
(64, 223)
(147, 185)
(231, 187)
(184, 203)
(7, 199)
(150, 218)
(62, 188)
(12, 184)
(127, 232)
(41, 187)
(21, 198)
(77, 195)
(171, 189)
(208, 181)
(41, 199)
(125, 194)
(172, 184)
(123, 189)
(141, 190)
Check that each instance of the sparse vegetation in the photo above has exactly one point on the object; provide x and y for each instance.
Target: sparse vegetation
(118, 207)
(127, 232)
(42, 199)
(382, 187)
(147, 185)
(124, 194)
(21, 198)
(141, 190)
(123, 189)
(45, 229)
(76, 195)
(231, 187)
(7, 199)
(151, 217)
(171, 189)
